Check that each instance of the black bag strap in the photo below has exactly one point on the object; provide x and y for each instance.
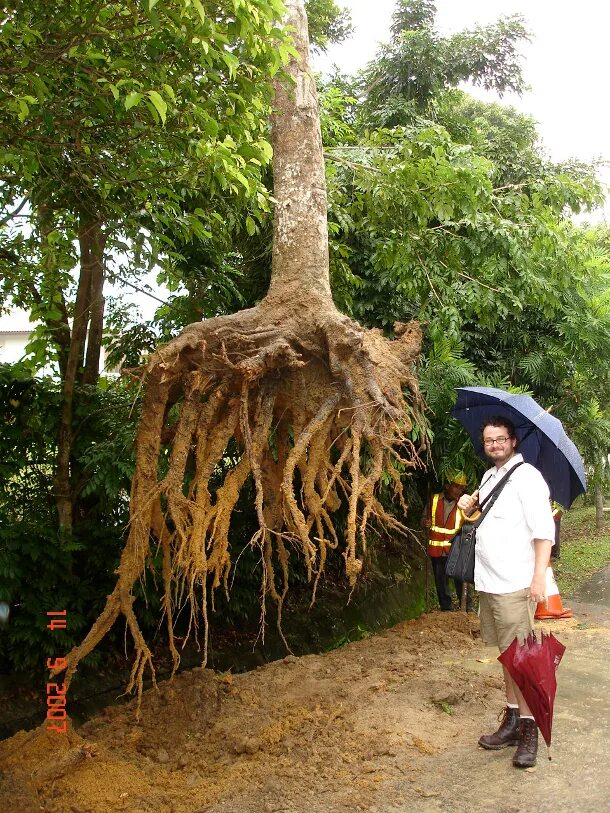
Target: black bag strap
(494, 494)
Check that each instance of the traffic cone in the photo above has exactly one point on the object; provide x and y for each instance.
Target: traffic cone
(552, 607)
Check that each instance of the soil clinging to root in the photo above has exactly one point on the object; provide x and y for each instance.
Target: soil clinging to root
(309, 406)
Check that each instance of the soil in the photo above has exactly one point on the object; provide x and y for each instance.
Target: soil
(389, 723)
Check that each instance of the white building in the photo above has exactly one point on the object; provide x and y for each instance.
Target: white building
(15, 331)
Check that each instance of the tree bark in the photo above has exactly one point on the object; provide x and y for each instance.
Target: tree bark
(300, 233)
(599, 508)
(91, 370)
(88, 241)
(60, 327)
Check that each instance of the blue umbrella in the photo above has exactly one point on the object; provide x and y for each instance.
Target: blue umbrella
(542, 438)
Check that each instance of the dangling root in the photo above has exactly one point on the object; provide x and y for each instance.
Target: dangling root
(308, 405)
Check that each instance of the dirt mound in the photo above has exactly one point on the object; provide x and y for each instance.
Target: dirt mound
(286, 736)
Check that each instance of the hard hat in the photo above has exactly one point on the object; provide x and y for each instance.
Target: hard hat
(458, 477)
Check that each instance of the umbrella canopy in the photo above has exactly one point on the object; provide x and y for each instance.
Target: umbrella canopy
(542, 438)
(532, 665)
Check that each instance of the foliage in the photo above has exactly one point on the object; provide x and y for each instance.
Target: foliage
(418, 66)
(420, 231)
(508, 138)
(327, 23)
(39, 570)
(107, 101)
(418, 216)
(583, 551)
(445, 209)
(556, 356)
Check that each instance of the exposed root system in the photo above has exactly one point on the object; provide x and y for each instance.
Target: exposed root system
(307, 404)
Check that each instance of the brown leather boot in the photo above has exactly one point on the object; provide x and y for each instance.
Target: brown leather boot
(525, 755)
(507, 734)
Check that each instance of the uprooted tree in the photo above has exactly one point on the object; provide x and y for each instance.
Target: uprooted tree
(317, 407)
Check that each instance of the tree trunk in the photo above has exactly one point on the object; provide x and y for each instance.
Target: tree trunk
(300, 233)
(91, 370)
(89, 242)
(60, 328)
(599, 508)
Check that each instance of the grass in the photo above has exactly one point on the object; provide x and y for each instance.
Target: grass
(584, 550)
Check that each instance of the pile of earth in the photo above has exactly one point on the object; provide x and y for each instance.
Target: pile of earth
(290, 735)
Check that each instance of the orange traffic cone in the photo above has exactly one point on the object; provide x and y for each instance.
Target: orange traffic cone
(552, 607)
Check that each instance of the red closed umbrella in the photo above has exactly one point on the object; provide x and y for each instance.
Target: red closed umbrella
(532, 665)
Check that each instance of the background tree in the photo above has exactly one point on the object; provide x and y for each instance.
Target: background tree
(412, 72)
(39, 568)
(112, 115)
(446, 209)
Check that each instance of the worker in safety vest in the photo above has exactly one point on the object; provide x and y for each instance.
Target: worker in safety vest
(557, 512)
(443, 519)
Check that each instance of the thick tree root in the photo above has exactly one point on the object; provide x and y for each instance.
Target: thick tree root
(309, 407)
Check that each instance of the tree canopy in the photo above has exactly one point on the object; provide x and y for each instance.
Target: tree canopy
(113, 114)
(419, 65)
(447, 209)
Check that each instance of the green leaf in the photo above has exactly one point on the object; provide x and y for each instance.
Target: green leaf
(231, 61)
(250, 226)
(266, 149)
(170, 91)
(24, 110)
(235, 173)
(159, 103)
(200, 9)
(132, 99)
(211, 127)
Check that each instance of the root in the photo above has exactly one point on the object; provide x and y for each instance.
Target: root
(299, 424)
(299, 450)
(298, 428)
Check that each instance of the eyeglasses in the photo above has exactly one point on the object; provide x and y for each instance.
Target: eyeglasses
(490, 441)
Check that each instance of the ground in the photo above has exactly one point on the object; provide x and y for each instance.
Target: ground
(389, 723)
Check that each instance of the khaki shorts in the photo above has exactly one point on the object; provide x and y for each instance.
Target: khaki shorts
(505, 617)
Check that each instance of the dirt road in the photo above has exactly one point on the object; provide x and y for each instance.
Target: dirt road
(385, 724)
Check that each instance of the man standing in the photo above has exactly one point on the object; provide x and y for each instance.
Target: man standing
(557, 514)
(512, 553)
(443, 519)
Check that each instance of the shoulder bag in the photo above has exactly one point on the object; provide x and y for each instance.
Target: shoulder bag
(460, 561)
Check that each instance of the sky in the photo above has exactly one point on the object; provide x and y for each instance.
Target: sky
(566, 64)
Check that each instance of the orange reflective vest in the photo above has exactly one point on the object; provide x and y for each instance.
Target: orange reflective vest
(442, 531)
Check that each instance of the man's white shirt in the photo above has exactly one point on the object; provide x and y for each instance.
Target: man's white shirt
(504, 559)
